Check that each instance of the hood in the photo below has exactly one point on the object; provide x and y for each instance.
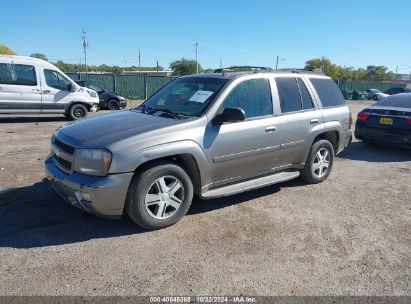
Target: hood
(104, 130)
(108, 94)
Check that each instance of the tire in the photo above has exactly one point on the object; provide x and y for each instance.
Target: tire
(309, 173)
(375, 98)
(113, 104)
(77, 111)
(150, 206)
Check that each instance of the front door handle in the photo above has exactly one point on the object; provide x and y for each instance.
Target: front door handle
(270, 129)
(36, 90)
(314, 121)
(46, 91)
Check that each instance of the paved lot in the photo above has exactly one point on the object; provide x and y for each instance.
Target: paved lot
(348, 235)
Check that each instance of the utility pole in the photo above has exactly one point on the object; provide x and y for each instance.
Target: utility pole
(85, 46)
(139, 60)
(196, 46)
(221, 62)
(276, 63)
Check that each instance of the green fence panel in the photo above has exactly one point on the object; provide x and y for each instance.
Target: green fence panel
(142, 86)
(130, 86)
(154, 83)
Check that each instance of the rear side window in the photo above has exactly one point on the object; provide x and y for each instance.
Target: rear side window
(293, 94)
(305, 96)
(18, 74)
(56, 80)
(288, 91)
(253, 96)
(329, 93)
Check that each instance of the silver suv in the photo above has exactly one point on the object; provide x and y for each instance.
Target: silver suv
(209, 135)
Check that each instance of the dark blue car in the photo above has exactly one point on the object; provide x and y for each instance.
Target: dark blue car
(108, 100)
(387, 121)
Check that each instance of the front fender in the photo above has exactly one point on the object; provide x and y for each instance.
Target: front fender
(131, 161)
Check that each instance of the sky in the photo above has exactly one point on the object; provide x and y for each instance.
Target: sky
(244, 32)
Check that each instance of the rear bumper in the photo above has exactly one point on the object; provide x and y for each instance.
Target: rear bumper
(104, 196)
(382, 136)
(345, 141)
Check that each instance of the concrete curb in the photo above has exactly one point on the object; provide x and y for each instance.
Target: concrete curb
(10, 195)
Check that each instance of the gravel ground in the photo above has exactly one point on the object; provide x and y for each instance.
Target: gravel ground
(350, 235)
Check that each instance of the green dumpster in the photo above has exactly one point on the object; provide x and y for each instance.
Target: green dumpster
(359, 95)
(347, 94)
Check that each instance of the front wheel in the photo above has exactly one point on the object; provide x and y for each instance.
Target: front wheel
(319, 162)
(159, 196)
(113, 104)
(77, 111)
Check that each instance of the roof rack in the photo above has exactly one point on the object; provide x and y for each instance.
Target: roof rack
(316, 71)
(242, 68)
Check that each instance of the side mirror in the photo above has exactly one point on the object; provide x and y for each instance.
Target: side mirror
(229, 115)
(72, 88)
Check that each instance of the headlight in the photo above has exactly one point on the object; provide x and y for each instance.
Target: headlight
(92, 161)
(121, 98)
(92, 94)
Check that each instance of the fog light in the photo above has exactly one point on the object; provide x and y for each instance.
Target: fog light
(86, 196)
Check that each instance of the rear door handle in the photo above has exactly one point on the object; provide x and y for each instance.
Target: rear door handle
(270, 129)
(36, 90)
(314, 121)
(46, 91)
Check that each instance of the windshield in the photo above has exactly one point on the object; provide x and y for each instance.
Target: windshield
(95, 88)
(186, 96)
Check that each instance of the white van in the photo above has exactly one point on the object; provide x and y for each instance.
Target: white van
(31, 85)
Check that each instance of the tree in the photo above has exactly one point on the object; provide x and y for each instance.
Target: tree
(184, 67)
(378, 73)
(39, 56)
(329, 68)
(6, 51)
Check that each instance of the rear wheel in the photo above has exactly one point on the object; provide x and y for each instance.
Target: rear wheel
(159, 196)
(319, 162)
(77, 111)
(113, 104)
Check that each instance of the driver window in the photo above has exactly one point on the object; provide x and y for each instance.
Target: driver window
(56, 80)
(253, 96)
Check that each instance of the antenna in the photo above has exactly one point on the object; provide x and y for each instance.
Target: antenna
(85, 46)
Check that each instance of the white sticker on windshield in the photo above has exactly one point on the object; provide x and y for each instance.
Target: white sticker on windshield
(201, 96)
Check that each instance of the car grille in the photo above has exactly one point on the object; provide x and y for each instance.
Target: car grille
(63, 146)
(63, 155)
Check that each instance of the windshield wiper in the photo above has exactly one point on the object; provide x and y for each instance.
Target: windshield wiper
(171, 113)
(145, 108)
(148, 110)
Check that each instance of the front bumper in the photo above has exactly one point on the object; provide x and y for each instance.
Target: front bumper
(123, 103)
(104, 196)
(94, 108)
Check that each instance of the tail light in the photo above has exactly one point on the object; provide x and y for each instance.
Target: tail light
(363, 116)
(408, 119)
(350, 121)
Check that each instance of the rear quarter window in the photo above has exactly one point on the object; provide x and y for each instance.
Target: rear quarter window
(329, 93)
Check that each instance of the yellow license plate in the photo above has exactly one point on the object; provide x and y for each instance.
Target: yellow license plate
(386, 121)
